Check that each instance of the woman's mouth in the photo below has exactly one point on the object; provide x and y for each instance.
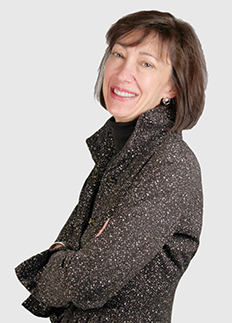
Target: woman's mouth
(122, 93)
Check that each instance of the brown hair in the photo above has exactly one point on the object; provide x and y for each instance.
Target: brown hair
(189, 73)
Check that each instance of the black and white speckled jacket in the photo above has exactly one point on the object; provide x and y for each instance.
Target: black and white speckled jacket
(151, 192)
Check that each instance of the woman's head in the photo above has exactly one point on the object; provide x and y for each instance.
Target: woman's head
(152, 56)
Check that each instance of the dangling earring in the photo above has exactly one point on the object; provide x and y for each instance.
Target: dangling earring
(166, 102)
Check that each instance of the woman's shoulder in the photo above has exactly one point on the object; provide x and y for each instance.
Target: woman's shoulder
(175, 150)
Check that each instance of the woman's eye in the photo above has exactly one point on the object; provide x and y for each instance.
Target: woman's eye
(147, 65)
(117, 55)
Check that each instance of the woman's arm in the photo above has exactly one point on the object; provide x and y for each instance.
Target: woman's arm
(79, 218)
(91, 276)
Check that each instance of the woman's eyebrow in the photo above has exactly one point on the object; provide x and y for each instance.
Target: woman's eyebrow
(148, 54)
(121, 44)
(141, 53)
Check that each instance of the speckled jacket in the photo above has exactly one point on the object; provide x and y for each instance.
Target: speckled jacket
(151, 191)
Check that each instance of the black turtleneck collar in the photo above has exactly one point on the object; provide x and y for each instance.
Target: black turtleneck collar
(121, 131)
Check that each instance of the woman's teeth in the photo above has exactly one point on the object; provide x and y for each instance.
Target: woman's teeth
(124, 94)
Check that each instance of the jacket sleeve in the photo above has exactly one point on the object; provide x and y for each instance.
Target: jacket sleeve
(27, 273)
(31, 269)
(151, 222)
(78, 220)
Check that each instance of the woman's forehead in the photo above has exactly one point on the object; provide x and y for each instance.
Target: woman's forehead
(151, 41)
(136, 37)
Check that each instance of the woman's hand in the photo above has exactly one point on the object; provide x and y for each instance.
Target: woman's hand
(56, 246)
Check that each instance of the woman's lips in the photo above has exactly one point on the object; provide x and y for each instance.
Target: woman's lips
(123, 94)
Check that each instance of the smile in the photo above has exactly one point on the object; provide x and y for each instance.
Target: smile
(123, 94)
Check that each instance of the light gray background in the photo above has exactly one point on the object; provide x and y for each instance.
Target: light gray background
(50, 52)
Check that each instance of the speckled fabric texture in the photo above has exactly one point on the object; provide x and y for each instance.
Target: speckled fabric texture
(151, 191)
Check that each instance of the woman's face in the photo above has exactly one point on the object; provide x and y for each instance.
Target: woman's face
(135, 79)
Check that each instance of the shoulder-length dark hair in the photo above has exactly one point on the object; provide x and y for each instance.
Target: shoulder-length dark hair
(189, 72)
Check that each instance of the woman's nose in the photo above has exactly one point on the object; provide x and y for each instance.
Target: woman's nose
(126, 73)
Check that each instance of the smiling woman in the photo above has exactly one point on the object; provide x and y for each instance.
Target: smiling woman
(134, 76)
(170, 41)
(136, 227)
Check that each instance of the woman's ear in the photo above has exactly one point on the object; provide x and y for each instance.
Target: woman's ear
(168, 95)
(171, 92)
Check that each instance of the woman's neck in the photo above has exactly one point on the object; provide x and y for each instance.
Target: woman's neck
(121, 132)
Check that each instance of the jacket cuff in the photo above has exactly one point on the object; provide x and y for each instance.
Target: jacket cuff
(37, 308)
(28, 273)
(28, 270)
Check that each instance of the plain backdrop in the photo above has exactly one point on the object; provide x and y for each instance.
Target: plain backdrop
(50, 51)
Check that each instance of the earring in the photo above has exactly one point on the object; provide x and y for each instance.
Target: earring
(166, 102)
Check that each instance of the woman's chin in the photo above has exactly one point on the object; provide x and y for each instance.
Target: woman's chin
(122, 114)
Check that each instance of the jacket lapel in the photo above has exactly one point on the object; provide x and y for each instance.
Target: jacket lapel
(118, 171)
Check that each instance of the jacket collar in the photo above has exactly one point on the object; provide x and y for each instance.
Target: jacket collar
(151, 125)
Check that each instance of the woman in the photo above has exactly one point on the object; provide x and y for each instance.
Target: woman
(136, 227)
